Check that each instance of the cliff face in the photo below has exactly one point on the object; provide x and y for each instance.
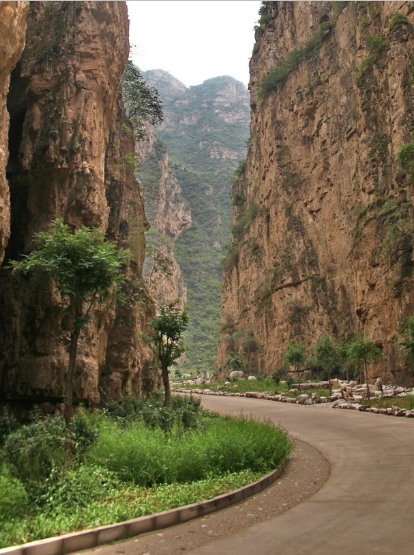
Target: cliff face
(315, 245)
(12, 33)
(188, 172)
(70, 152)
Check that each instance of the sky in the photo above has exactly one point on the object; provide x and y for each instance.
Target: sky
(193, 40)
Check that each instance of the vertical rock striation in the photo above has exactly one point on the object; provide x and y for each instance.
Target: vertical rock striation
(315, 208)
(69, 150)
(12, 37)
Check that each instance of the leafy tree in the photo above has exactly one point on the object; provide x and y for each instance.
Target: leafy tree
(295, 356)
(141, 102)
(167, 342)
(326, 355)
(86, 270)
(407, 333)
(236, 362)
(362, 351)
(343, 358)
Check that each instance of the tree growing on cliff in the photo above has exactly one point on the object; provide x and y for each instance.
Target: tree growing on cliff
(362, 351)
(86, 270)
(295, 356)
(167, 342)
(142, 103)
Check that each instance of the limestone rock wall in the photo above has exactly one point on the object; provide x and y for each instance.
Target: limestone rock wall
(12, 37)
(68, 159)
(315, 205)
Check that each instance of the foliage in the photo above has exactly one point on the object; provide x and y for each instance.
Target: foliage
(86, 270)
(167, 342)
(376, 47)
(396, 20)
(8, 424)
(405, 158)
(326, 355)
(82, 264)
(362, 351)
(277, 77)
(407, 335)
(295, 356)
(195, 130)
(142, 103)
(14, 500)
(119, 502)
(235, 362)
(101, 488)
(147, 457)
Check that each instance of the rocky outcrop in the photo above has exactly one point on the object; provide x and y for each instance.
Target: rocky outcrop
(171, 217)
(12, 37)
(315, 209)
(70, 158)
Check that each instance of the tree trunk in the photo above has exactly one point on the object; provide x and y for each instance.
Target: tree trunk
(366, 379)
(329, 382)
(76, 311)
(69, 394)
(165, 379)
(299, 386)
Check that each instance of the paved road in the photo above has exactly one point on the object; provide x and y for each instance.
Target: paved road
(367, 505)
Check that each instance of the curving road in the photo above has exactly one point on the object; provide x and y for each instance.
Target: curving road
(367, 505)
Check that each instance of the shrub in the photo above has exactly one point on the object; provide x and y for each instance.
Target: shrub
(276, 377)
(277, 77)
(405, 157)
(8, 424)
(396, 20)
(34, 450)
(14, 500)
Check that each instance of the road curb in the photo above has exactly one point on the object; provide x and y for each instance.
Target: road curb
(88, 539)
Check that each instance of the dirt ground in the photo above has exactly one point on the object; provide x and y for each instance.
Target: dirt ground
(305, 473)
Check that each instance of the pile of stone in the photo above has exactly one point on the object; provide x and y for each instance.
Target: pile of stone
(347, 397)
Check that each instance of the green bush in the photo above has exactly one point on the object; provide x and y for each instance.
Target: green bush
(405, 157)
(277, 77)
(14, 500)
(34, 450)
(8, 424)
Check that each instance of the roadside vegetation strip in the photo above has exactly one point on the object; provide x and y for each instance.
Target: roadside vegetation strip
(135, 459)
(87, 539)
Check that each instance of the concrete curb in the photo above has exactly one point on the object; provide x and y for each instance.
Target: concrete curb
(88, 539)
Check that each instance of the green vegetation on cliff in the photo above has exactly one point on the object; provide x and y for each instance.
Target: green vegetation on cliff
(204, 133)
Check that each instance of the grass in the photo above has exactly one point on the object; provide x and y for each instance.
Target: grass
(135, 458)
(388, 402)
(121, 502)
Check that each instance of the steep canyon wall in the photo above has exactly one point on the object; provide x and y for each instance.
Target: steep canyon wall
(70, 145)
(315, 244)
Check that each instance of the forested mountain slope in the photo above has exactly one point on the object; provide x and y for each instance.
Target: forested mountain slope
(188, 172)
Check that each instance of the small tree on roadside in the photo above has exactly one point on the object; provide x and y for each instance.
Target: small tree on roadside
(295, 356)
(86, 270)
(167, 342)
(326, 356)
(362, 351)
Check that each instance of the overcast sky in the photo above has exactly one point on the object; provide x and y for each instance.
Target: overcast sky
(194, 39)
